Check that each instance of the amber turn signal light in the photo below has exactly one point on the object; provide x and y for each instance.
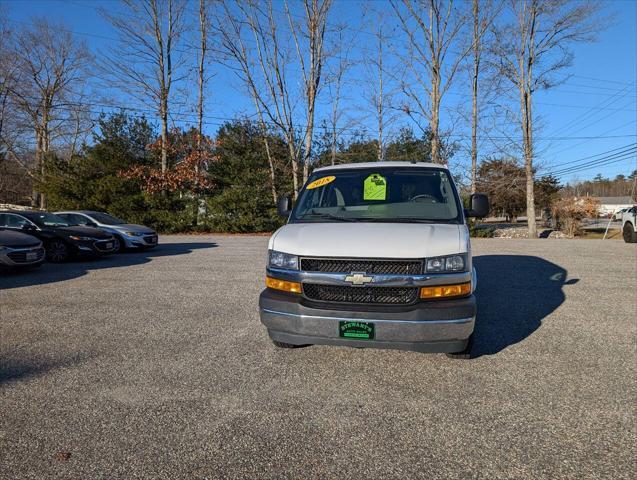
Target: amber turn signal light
(276, 284)
(446, 291)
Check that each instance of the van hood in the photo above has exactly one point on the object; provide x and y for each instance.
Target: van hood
(371, 240)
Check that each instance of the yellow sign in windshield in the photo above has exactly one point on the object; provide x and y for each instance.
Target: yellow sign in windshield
(375, 187)
(321, 182)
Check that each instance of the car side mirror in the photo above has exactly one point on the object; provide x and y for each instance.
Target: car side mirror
(479, 206)
(28, 228)
(284, 206)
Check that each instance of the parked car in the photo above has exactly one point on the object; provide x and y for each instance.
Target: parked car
(619, 213)
(61, 240)
(127, 235)
(374, 255)
(19, 250)
(629, 225)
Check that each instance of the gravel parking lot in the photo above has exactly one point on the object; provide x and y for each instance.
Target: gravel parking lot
(155, 365)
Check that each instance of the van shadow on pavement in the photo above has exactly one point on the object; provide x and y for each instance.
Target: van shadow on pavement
(52, 272)
(12, 370)
(515, 293)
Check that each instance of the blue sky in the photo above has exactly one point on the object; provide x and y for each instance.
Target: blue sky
(599, 99)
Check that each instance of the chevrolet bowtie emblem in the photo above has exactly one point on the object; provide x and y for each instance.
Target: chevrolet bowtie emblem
(357, 278)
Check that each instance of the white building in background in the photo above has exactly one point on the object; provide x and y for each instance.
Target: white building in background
(610, 205)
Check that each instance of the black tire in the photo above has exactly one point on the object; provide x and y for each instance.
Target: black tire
(57, 252)
(629, 234)
(120, 246)
(285, 345)
(464, 354)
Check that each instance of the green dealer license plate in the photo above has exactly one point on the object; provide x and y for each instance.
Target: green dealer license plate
(356, 330)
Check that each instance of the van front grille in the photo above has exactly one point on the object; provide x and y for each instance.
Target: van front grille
(370, 267)
(369, 295)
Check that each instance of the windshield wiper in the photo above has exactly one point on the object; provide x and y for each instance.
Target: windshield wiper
(396, 220)
(327, 215)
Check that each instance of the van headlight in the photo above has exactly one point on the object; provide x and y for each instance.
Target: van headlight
(282, 260)
(450, 263)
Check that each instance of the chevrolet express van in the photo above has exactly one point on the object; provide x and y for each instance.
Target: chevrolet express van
(374, 255)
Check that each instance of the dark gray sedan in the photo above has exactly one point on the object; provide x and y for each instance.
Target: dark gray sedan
(19, 250)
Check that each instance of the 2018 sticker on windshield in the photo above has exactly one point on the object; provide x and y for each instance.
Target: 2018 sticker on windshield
(375, 187)
(321, 182)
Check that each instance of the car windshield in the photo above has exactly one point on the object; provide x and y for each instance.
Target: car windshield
(402, 195)
(44, 219)
(107, 219)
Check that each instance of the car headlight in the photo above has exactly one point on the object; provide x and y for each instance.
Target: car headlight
(80, 239)
(282, 260)
(134, 234)
(451, 263)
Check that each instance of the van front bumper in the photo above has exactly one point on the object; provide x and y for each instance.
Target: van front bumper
(434, 326)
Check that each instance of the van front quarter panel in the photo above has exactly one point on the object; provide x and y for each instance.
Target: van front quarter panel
(373, 255)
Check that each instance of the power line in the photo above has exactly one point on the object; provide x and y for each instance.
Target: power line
(591, 111)
(623, 148)
(616, 163)
(192, 117)
(618, 157)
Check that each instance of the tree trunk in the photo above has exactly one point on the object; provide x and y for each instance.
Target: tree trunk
(164, 133)
(36, 195)
(271, 165)
(435, 115)
(380, 99)
(527, 134)
(474, 95)
(307, 150)
(268, 153)
(202, 58)
(295, 164)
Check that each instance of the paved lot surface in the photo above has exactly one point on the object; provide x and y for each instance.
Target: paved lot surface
(154, 365)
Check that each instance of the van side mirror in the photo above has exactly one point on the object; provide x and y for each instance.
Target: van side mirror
(479, 206)
(284, 206)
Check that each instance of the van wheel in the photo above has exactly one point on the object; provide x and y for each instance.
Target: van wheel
(57, 252)
(629, 234)
(285, 345)
(464, 354)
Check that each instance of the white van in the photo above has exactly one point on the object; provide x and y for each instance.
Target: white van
(374, 255)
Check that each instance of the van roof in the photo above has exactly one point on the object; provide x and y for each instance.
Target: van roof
(381, 165)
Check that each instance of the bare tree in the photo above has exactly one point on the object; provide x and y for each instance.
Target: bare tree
(378, 95)
(311, 30)
(529, 51)
(234, 47)
(80, 123)
(52, 69)
(335, 80)
(483, 13)
(146, 63)
(203, 48)
(263, 55)
(433, 54)
(8, 74)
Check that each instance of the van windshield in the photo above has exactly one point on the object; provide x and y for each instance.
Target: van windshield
(401, 195)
